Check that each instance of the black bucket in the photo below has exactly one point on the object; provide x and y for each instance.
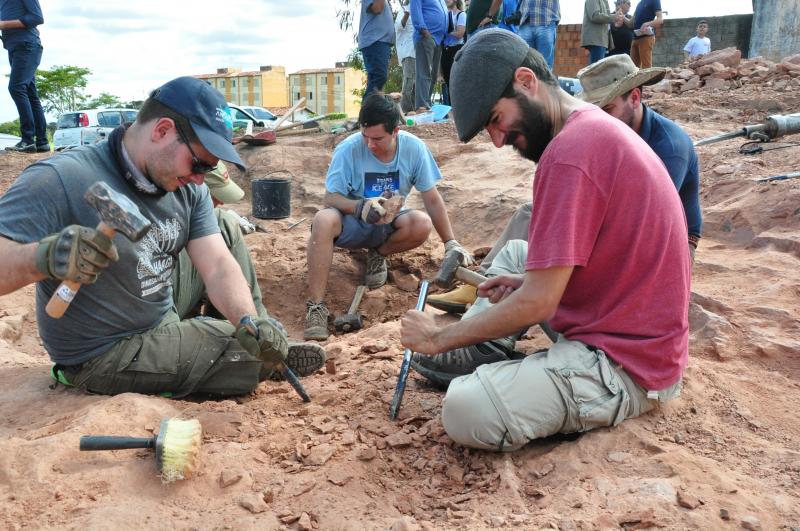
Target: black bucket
(271, 198)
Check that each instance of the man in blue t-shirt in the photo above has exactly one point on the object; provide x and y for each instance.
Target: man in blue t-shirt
(646, 19)
(18, 20)
(371, 174)
(128, 328)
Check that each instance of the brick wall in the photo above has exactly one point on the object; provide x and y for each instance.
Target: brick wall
(730, 30)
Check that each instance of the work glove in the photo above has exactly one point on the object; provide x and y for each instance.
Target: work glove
(76, 253)
(369, 210)
(449, 245)
(264, 338)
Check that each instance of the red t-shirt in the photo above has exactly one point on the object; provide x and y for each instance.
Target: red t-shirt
(604, 203)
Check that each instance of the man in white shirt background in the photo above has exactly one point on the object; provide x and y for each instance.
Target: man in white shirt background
(404, 44)
(699, 45)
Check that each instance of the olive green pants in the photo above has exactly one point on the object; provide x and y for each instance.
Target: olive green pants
(181, 356)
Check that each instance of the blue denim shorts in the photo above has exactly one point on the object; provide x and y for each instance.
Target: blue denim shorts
(358, 234)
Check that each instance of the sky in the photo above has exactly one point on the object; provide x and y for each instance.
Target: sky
(133, 46)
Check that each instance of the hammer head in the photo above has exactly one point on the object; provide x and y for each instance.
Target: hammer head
(348, 323)
(447, 272)
(117, 211)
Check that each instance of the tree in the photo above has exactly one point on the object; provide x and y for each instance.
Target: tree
(103, 101)
(61, 88)
(10, 128)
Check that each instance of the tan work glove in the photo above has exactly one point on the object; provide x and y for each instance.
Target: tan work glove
(369, 210)
(264, 338)
(76, 253)
(449, 245)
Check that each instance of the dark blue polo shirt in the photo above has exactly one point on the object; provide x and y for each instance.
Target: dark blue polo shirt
(674, 147)
(27, 11)
(645, 12)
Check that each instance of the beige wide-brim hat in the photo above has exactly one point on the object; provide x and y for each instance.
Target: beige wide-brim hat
(221, 186)
(614, 76)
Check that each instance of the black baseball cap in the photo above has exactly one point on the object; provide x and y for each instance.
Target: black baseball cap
(205, 109)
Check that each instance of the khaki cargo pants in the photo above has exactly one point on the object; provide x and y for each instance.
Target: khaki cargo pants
(568, 388)
(180, 357)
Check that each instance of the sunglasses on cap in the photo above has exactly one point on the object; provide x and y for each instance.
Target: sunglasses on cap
(198, 166)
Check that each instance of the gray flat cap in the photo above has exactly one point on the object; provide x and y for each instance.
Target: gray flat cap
(482, 69)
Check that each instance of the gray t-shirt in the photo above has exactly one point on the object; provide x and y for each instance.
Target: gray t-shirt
(134, 294)
(375, 28)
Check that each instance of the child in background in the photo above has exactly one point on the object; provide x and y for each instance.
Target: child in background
(698, 46)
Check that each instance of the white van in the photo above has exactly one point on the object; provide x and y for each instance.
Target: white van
(89, 126)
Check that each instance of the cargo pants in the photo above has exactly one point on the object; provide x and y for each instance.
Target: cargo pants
(181, 356)
(570, 387)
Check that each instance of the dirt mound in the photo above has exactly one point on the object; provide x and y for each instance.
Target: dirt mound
(727, 454)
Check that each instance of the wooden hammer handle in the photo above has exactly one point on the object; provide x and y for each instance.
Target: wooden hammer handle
(63, 296)
(357, 299)
(469, 277)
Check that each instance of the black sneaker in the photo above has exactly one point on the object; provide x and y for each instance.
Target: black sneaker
(42, 148)
(22, 147)
(441, 369)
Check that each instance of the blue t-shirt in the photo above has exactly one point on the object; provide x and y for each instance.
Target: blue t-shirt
(430, 15)
(133, 294)
(375, 28)
(356, 173)
(645, 12)
(26, 11)
(674, 147)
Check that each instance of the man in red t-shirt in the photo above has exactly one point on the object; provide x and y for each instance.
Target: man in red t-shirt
(606, 265)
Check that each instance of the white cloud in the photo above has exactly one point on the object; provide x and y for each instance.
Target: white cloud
(132, 46)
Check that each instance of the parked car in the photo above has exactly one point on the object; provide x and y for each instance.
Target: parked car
(89, 126)
(260, 116)
(260, 112)
(8, 140)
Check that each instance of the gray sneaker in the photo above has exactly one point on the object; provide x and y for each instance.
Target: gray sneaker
(316, 321)
(377, 269)
(441, 369)
(304, 359)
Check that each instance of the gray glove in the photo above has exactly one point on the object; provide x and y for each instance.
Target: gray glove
(449, 245)
(369, 210)
(76, 253)
(264, 338)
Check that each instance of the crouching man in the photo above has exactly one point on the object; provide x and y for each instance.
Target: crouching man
(605, 264)
(370, 175)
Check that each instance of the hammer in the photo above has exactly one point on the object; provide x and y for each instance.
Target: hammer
(117, 214)
(451, 270)
(351, 321)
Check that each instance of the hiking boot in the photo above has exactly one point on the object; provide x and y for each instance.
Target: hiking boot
(23, 147)
(304, 359)
(42, 148)
(316, 321)
(441, 369)
(454, 301)
(377, 269)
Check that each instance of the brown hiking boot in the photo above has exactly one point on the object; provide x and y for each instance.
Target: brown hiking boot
(377, 269)
(316, 321)
(454, 301)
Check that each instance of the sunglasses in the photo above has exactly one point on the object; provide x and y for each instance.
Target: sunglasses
(198, 166)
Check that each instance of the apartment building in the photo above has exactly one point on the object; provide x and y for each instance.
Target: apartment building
(265, 87)
(328, 90)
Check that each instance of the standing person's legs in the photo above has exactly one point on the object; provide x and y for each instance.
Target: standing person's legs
(635, 56)
(542, 39)
(646, 51)
(24, 59)
(596, 53)
(437, 59)
(409, 74)
(425, 49)
(376, 63)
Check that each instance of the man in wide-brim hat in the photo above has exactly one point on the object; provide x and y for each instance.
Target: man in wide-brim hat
(615, 85)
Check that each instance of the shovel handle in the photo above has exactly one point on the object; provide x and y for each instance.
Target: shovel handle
(63, 296)
(112, 442)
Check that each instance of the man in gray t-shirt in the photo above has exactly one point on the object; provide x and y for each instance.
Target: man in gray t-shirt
(124, 331)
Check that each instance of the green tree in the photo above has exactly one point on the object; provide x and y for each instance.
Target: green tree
(103, 101)
(61, 88)
(10, 128)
